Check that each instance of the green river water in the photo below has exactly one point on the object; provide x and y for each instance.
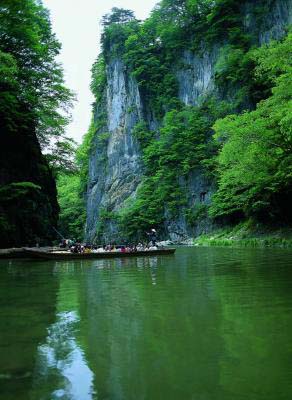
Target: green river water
(205, 324)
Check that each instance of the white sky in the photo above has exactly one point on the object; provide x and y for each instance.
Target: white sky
(77, 26)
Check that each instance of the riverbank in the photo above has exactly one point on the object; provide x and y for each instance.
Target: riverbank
(247, 235)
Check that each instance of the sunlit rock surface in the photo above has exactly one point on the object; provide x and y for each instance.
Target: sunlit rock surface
(115, 169)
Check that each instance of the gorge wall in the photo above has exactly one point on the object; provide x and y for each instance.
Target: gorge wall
(28, 195)
(116, 167)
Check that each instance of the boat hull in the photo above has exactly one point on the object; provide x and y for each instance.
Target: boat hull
(64, 256)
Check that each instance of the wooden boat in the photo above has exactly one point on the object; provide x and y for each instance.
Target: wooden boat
(21, 252)
(67, 256)
(12, 253)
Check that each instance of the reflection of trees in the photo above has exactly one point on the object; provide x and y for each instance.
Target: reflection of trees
(61, 370)
(28, 301)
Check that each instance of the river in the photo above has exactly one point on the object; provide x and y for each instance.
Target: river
(205, 324)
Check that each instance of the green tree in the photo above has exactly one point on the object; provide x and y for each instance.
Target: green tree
(72, 180)
(62, 156)
(256, 152)
(34, 110)
(99, 79)
(72, 206)
(26, 36)
(117, 16)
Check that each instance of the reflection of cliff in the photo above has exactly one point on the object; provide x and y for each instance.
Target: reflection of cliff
(150, 341)
(255, 326)
(27, 308)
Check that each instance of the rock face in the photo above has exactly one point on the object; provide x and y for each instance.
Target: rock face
(28, 195)
(197, 76)
(199, 190)
(278, 15)
(115, 168)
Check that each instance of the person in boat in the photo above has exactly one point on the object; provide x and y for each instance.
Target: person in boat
(76, 248)
(99, 250)
(153, 248)
(152, 236)
(70, 243)
(63, 244)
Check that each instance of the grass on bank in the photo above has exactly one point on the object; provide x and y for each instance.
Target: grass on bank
(247, 235)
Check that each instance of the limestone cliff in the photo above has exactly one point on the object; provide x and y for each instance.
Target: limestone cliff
(116, 169)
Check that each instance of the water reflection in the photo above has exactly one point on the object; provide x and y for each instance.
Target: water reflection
(27, 307)
(140, 331)
(210, 324)
(61, 363)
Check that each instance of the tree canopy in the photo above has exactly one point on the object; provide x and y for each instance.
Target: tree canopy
(34, 111)
(117, 16)
(33, 78)
(255, 159)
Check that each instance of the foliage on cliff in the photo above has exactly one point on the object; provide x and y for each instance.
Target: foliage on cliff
(249, 157)
(151, 49)
(72, 186)
(71, 190)
(33, 107)
(72, 206)
(183, 145)
(255, 159)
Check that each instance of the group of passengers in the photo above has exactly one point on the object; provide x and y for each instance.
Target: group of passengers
(125, 249)
(78, 247)
(86, 248)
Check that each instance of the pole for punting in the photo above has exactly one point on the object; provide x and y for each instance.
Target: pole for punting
(58, 233)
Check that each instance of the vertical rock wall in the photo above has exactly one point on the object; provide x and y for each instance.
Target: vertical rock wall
(115, 170)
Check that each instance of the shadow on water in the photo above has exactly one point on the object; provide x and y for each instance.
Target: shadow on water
(27, 307)
(207, 324)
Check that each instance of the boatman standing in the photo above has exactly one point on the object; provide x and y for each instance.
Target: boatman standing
(152, 236)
